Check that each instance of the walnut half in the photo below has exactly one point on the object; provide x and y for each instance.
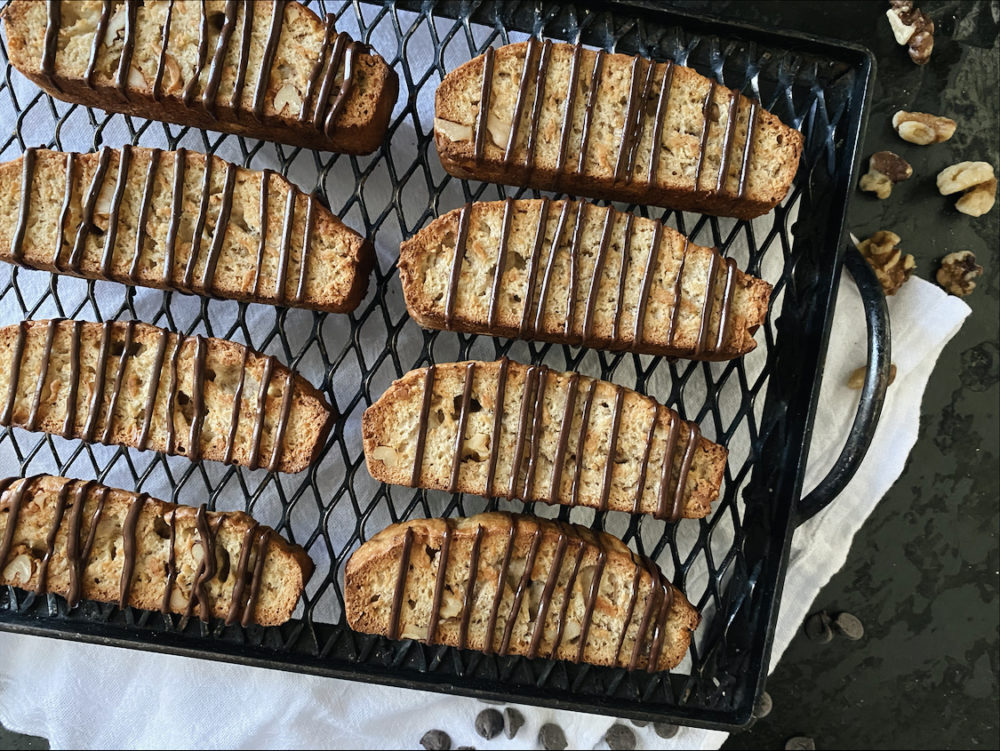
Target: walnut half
(923, 128)
(958, 273)
(892, 265)
(885, 169)
(978, 182)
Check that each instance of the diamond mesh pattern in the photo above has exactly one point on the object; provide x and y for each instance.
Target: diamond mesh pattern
(729, 564)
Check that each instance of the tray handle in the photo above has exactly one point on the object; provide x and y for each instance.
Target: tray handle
(872, 393)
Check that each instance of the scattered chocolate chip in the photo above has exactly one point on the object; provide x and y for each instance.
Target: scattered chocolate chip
(764, 706)
(800, 743)
(849, 625)
(489, 724)
(514, 721)
(551, 737)
(620, 738)
(818, 627)
(639, 723)
(665, 729)
(436, 740)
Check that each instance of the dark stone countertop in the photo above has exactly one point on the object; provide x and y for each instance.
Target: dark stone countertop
(923, 572)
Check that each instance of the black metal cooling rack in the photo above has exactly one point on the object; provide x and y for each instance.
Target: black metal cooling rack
(731, 564)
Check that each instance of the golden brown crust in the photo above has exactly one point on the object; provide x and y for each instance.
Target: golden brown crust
(338, 259)
(427, 261)
(393, 434)
(302, 433)
(285, 570)
(773, 162)
(359, 129)
(612, 629)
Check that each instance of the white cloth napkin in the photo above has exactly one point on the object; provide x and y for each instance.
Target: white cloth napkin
(84, 696)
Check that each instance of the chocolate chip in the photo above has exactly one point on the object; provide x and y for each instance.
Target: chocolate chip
(436, 740)
(800, 743)
(620, 738)
(551, 737)
(514, 721)
(849, 625)
(764, 706)
(489, 724)
(665, 729)
(818, 627)
(639, 723)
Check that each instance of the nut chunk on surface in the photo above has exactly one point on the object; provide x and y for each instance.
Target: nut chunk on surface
(885, 169)
(978, 181)
(922, 128)
(82, 540)
(518, 585)
(913, 28)
(958, 273)
(892, 265)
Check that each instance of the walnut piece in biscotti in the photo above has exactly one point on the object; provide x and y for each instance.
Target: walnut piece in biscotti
(892, 265)
(958, 273)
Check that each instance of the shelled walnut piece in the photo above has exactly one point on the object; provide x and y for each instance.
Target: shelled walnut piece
(978, 182)
(857, 379)
(891, 264)
(923, 128)
(958, 273)
(885, 169)
(913, 28)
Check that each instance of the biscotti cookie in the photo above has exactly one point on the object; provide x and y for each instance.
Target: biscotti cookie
(560, 117)
(83, 540)
(518, 585)
(503, 429)
(264, 69)
(138, 385)
(572, 272)
(179, 220)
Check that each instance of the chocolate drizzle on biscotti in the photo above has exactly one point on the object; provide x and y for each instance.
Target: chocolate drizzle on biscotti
(117, 344)
(534, 73)
(523, 483)
(650, 631)
(533, 313)
(68, 526)
(206, 251)
(338, 54)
